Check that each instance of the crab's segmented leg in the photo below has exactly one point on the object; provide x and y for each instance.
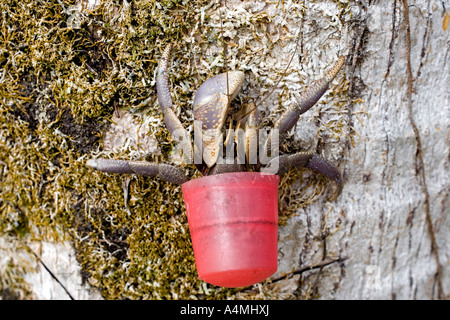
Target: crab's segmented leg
(225, 168)
(280, 165)
(172, 122)
(307, 99)
(283, 163)
(162, 80)
(322, 166)
(147, 169)
(316, 90)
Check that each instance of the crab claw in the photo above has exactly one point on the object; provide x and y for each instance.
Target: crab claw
(210, 107)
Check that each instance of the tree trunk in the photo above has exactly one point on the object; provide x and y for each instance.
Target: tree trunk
(395, 227)
(386, 236)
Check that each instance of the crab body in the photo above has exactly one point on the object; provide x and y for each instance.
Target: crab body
(210, 109)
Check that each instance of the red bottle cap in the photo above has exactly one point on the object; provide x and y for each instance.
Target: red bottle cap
(233, 220)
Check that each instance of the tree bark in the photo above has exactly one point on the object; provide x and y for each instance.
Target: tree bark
(395, 226)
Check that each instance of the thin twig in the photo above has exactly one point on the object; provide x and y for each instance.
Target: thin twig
(325, 262)
(49, 271)
(278, 81)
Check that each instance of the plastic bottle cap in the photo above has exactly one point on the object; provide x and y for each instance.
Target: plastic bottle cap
(233, 220)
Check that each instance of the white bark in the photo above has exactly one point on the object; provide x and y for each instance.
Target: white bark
(57, 274)
(385, 232)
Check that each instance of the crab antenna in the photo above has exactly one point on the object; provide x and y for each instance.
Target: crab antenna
(278, 81)
(307, 99)
(225, 53)
(225, 63)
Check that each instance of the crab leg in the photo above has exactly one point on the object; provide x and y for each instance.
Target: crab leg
(172, 122)
(147, 169)
(322, 166)
(144, 168)
(280, 165)
(283, 163)
(307, 99)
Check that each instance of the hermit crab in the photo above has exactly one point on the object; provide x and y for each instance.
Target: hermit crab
(249, 150)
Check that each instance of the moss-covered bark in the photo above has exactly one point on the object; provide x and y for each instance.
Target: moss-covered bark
(64, 71)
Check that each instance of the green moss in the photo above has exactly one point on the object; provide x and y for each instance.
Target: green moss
(60, 85)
